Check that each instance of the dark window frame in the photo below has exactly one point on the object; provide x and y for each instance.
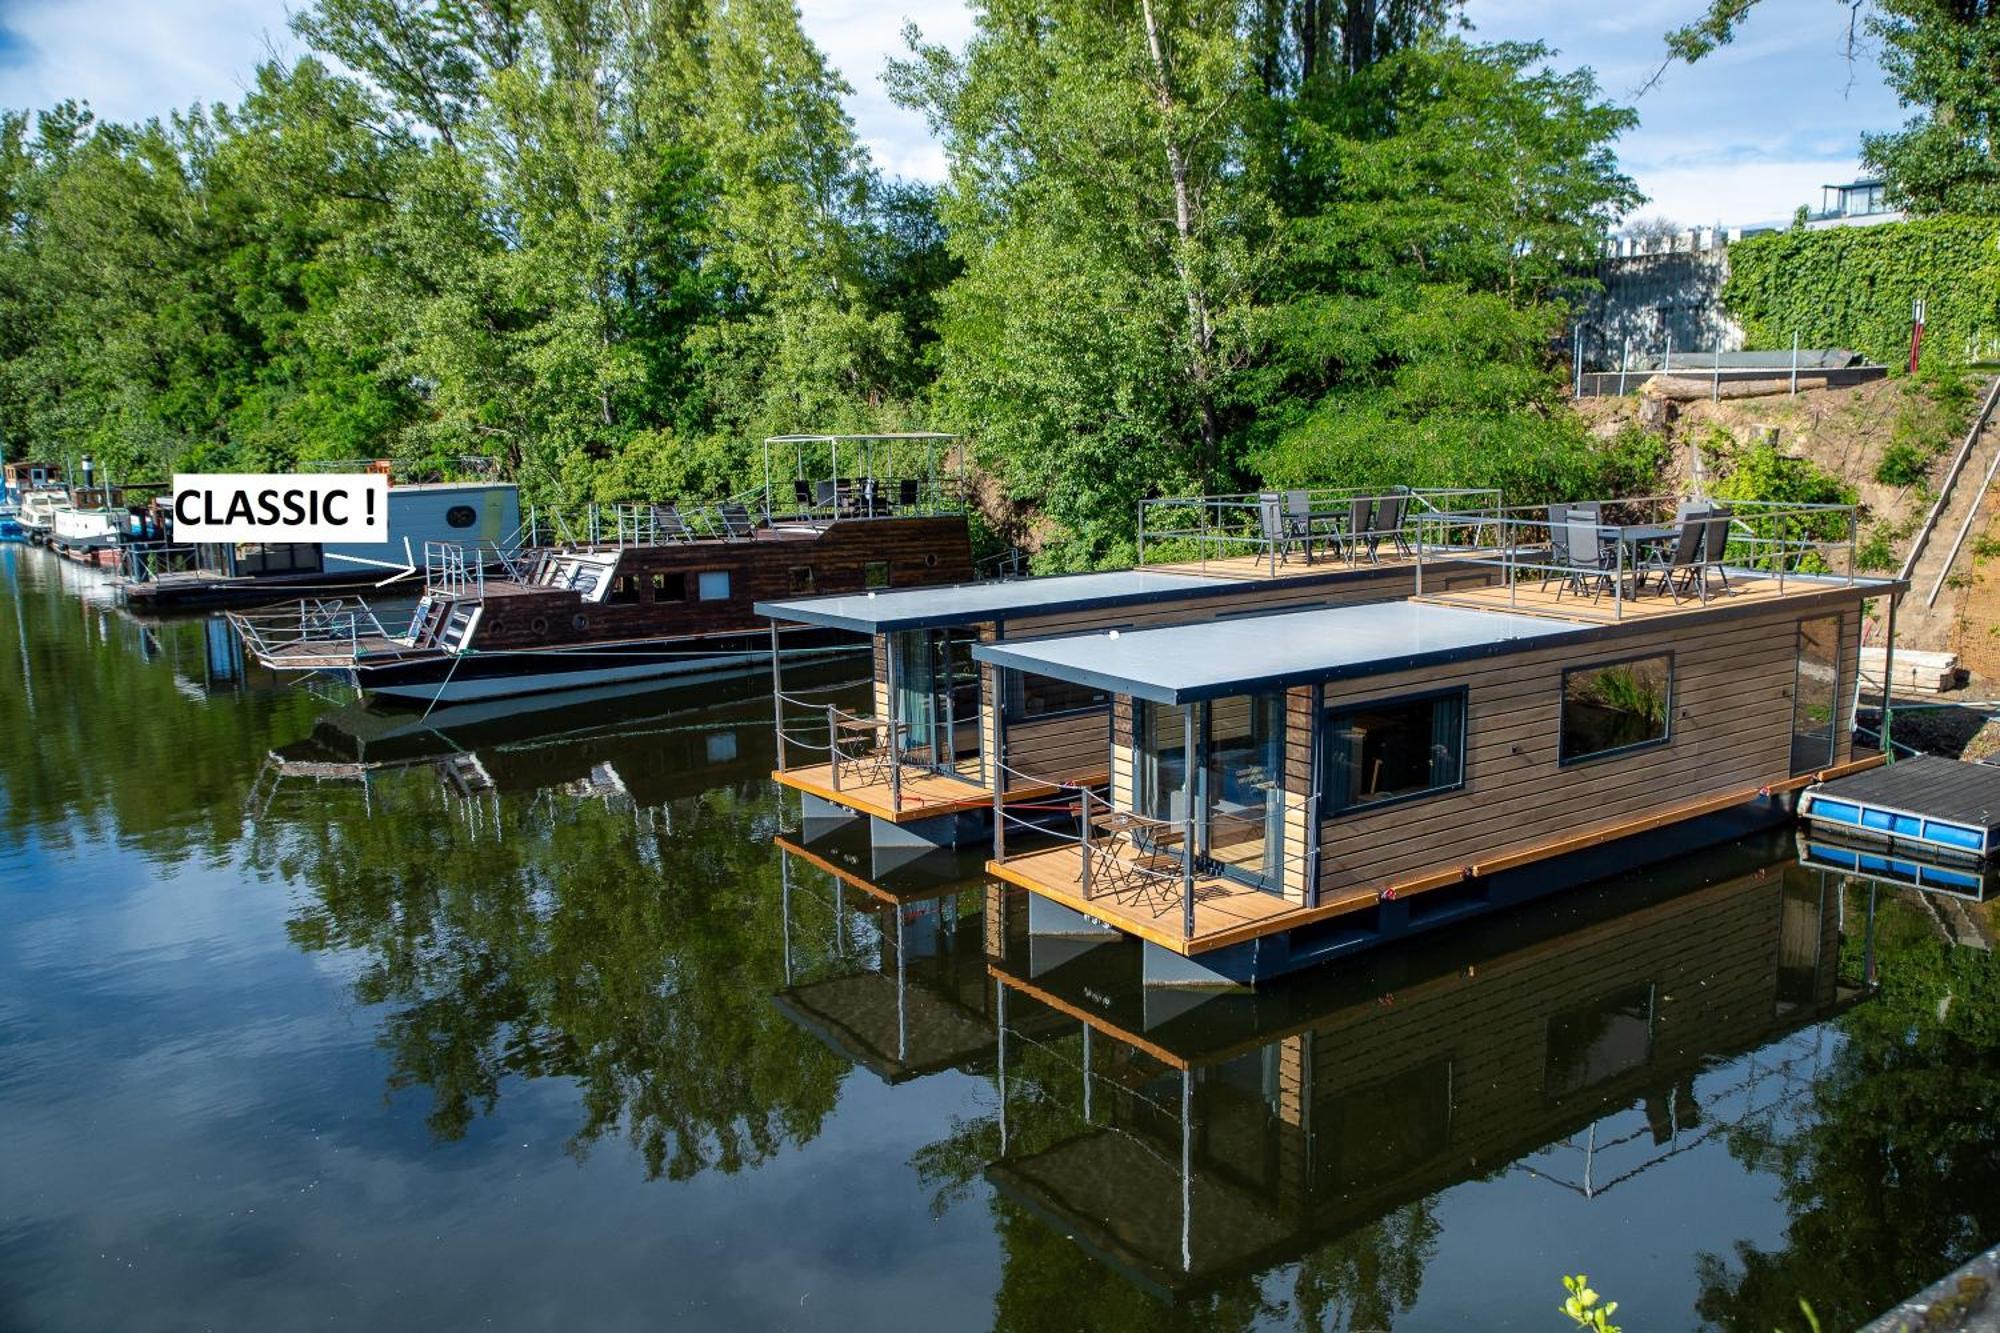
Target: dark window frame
(662, 580)
(1562, 710)
(868, 574)
(1324, 755)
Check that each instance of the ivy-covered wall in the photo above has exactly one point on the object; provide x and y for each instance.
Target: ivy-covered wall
(1852, 287)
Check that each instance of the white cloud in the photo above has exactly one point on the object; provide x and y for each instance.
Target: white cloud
(131, 59)
(860, 38)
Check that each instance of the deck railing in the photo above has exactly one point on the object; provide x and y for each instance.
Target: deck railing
(449, 573)
(817, 728)
(1784, 541)
(142, 562)
(1102, 870)
(1219, 527)
(332, 624)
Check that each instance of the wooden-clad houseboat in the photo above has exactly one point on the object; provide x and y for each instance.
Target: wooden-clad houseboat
(165, 575)
(1202, 1142)
(1303, 785)
(941, 707)
(651, 595)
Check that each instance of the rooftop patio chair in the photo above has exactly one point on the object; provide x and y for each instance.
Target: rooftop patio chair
(1271, 525)
(802, 494)
(1677, 570)
(737, 524)
(1558, 566)
(907, 493)
(1388, 525)
(667, 522)
(1588, 569)
(825, 494)
(1714, 546)
(1298, 518)
(1360, 514)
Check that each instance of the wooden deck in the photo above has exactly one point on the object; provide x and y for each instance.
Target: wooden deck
(1531, 599)
(1225, 912)
(925, 793)
(1296, 566)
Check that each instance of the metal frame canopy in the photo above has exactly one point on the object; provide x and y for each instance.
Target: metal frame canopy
(970, 603)
(1182, 663)
(866, 445)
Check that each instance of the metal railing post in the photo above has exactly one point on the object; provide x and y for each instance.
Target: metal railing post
(1000, 793)
(778, 696)
(1781, 553)
(1187, 820)
(1618, 581)
(1083, 879)
(1853, 536)
(833, 746)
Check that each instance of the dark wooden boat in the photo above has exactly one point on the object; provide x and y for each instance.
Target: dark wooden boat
(658, 603)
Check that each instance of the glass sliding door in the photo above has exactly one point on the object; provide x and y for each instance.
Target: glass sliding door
(1239, 808)
(1243, 787)
(1816, 694)
(937, 700)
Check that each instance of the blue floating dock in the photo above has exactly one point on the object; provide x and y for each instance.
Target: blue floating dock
(1923, 802)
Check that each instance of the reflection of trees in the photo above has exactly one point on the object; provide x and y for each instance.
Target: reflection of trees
(630, 950)
(1361, 1280)
(1891, 1171)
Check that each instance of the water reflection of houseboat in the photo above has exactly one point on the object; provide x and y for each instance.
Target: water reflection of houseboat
(888, 971)
(921, 766)
(648, 593)
(1296, 787)
(1185, 1144)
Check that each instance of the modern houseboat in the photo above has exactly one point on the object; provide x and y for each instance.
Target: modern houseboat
(1303, 785)
(942, 708)
(639, 593)
(1192, 1144)
(482, 516)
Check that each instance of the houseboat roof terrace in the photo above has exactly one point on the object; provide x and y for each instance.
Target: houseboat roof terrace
(958, 604)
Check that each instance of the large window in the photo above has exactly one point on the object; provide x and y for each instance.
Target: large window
(1616, 706)
(712, 585)
(1375, 753)
(1816, 694)
(1030, 697)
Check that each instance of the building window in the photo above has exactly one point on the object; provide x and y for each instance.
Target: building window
(670, 587)
(624, 590)
(875, 574)
(802, 578)
(1816, 695)
(1030, 697)
(712, 585)
(1616, 706)
(1375, 753)
(461, 516)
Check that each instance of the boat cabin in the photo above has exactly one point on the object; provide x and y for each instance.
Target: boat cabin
(17, 479)
(1296, 786)
(941, 707)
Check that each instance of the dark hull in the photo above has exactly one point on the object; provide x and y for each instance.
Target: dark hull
(503, 673)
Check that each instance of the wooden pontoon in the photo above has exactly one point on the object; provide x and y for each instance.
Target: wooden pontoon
(939, 705)
(1359, 772)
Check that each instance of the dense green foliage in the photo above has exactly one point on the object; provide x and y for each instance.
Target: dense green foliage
(1192, 261)
(1852, 287)
(608, 246)
(1942, 57)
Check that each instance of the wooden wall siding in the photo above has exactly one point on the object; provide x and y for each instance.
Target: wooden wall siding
(1731, 731)
(1299, 786)
(1850, 673)
(1124, 785)
(989, 720)
(1057, 749)
(921, 552)
(881, 646)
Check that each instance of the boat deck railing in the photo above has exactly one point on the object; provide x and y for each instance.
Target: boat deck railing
(449, 572)
(1782, 543)
(142, 562)
(640, 524)
(1186, 528)
(312, 627)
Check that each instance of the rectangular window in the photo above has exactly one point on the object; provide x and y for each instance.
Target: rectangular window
(624, 590)
(875, 574)
(670, 587)
(713, 585)
(1030, 696)
(1616, 706)
(1815, 694)
(802, 579)
(1374, 753)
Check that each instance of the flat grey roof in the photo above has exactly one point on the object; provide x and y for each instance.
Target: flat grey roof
(965, 603)
(1186, 662)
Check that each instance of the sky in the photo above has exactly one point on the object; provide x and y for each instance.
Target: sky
(1744, 137)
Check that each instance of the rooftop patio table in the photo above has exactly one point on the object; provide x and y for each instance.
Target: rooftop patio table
(1335, 529)
(1632, 536)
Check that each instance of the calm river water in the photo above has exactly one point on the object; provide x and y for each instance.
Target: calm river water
(558, 1018)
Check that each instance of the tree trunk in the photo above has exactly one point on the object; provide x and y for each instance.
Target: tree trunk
(1201, 331)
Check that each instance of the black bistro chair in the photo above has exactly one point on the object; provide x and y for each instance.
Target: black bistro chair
(1588, 569)
(1558, 566)
(1678, 569)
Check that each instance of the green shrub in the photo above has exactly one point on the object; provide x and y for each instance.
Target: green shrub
(1903, 464)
